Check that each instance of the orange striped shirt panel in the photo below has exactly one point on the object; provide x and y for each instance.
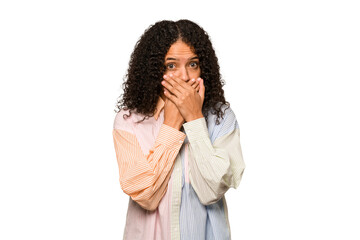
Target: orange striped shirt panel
(144, 177)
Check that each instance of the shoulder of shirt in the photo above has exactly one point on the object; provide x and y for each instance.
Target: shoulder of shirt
(228, 115)
(123, 122)
(227, 123)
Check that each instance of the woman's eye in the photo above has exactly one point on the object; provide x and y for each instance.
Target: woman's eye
(193, 64)
(171, 66)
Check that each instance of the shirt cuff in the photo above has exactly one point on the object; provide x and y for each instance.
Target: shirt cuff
(170, 137)
(196, 129)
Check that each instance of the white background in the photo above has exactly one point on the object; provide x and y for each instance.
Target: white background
(292, 77)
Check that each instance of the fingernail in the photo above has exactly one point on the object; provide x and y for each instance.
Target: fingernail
(193, 79)
(165, 76)
(171, 74)
(199, 79)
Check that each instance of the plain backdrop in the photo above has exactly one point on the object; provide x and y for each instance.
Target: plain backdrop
(292, 77)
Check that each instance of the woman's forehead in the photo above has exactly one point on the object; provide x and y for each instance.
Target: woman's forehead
(180, 50)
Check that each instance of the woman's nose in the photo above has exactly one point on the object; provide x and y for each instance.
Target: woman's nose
(184, 74)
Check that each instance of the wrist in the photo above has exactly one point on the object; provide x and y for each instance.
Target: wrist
(176, 125)
(194, 117)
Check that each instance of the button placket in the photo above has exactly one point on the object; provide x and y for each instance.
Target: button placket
(186, 162)
(176, 198)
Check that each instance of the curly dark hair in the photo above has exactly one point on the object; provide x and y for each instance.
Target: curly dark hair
(142, 83)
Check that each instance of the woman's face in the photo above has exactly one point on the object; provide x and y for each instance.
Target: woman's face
(181, 61)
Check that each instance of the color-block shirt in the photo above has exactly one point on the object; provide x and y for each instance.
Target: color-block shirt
(176, 179)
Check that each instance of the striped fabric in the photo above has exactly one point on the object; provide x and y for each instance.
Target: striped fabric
(176, 180)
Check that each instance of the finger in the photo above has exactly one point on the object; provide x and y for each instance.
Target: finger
(178, 82)
(202, 89)
(171, 88)
(175, 86)
(174, 81)
(196, 86)
(170, 97)
(194, 83)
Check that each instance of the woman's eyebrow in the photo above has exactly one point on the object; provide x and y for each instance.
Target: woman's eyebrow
(169, 58)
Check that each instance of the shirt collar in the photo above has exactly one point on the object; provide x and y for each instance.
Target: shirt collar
(159, 106)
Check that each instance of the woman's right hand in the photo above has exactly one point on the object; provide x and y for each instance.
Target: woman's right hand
(172, 116)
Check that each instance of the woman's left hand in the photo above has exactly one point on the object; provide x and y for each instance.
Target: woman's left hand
(184, 96)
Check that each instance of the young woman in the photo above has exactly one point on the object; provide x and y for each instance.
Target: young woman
(176, 139)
